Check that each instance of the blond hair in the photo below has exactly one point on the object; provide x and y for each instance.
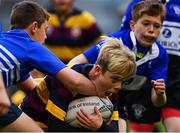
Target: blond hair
(116, 58)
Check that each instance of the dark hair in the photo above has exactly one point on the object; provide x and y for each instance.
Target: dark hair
(149, 7)
(26, 12)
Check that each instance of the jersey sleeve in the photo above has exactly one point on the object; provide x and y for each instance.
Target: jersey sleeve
(23, 78)
(159, 68)
(92, 53)
(45, 61)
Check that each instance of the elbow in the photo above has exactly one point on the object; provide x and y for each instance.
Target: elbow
(158, 104)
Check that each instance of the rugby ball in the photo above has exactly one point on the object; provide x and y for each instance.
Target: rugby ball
(104, 105)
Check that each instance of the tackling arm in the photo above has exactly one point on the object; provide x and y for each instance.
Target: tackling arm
(4, 99)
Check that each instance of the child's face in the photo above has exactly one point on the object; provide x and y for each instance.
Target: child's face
(108, 83)
(147, 29)
(40, 34)
(63, 5)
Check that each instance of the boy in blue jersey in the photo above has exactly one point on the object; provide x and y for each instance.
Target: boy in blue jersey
(21, 51)
(170, 113)
(108, 74)
(151, 58)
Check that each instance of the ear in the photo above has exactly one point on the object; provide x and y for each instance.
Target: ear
(34, 27)
(132, 25)
(98, 70)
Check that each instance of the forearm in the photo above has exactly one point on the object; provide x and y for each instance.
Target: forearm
(78, 60)
(4, 99)
(122, 125)
(158, 100)
(28, 85)
(76, 82)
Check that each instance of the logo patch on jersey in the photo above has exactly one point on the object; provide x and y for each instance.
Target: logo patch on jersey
(176, 9)
(138, 110)
(139, 55)
(167, 33)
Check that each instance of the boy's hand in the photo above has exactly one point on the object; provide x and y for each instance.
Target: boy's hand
(159, 86)
(92, 122)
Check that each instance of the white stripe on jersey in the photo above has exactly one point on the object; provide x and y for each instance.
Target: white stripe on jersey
(170, 23)
(10, 66)
(9, 63)
(148, 56)
(6, 71)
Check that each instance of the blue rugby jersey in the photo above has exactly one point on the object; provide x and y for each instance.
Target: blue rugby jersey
(170, 32)
(152, 65)
(170, 39)
(19, 54)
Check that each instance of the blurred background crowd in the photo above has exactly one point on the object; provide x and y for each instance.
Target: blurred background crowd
(108, 13)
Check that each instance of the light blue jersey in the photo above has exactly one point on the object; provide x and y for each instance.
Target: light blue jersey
(19, 54)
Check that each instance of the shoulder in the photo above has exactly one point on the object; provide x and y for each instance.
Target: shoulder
(161, 48)
(163, 56)
(53, 19)
(88, 16)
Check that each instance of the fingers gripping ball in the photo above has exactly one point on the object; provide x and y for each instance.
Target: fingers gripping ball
(88, 103)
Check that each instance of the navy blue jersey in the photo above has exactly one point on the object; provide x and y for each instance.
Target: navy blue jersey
(19, 54)
(151, 61)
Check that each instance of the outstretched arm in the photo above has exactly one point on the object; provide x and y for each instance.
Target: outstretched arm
(4, 99)
(76, 82)
(78, 60)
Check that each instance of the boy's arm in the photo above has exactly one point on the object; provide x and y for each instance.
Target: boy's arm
(27, 85)
(158, 94)
(76, 82)
(4, 99)
(122, 125)
(78, 59)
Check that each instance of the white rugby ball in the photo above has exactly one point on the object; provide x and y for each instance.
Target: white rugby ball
(104, 105)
